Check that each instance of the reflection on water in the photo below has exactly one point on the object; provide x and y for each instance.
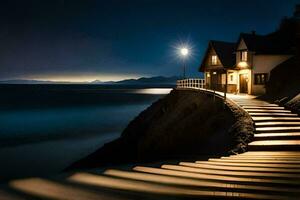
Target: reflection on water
(153, 91)
(52, 127)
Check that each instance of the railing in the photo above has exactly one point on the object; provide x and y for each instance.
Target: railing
(191, 83)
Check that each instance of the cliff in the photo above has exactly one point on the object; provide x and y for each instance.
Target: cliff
(183, 124)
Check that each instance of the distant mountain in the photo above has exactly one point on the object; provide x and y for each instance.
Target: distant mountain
(157, 80)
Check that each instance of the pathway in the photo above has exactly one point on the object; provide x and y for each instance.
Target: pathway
(269, 170)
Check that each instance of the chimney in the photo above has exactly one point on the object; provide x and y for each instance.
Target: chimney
(297, 11)
(253, 32)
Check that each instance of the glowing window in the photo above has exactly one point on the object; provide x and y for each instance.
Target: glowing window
(244, 56)
(214, 60)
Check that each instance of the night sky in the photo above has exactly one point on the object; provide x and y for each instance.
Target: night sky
(116, 39)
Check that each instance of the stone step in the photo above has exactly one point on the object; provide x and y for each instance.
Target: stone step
(220, 178)
(272, 153)
(232, 173)
(277, 136)
(275, 145)
(271, 119)
(267, 111)
(257, 104)
(199, 184)
(254, 101)
(240, 168)
(264, 158)
(241, 164)
(276, 123)
(38, 188)
(256, 114)
(117, 187)
(277, 129)
(257, 161)
(264, 107)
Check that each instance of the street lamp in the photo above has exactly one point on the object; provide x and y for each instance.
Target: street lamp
(184, 52)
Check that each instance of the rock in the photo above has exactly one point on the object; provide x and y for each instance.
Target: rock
(183, 124)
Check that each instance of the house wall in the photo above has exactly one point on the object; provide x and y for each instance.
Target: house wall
(209, 69)
(232, 81)
(264, 64)
(257, 64)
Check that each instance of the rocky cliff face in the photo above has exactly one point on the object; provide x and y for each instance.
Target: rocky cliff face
(181, 125)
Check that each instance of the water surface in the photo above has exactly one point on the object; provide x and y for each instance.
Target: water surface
(44, 128)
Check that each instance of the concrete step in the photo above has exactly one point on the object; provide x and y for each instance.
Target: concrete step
(241, 164)
(240, 168)
(232, 173)
(220, 178)
(264, 158)
(257, 104)
(199, 184)
(142, 189)
(264, 107)
(277, 129)
(257, 161)
(252, 102)
(267, 111)
(275, 145)
(256, 114)
(272, 153)
(38, 188)
(277, 123)
(277, 136)
(271, 119)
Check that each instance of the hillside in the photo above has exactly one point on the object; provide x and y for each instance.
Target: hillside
(177, 126)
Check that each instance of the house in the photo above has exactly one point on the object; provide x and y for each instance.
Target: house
(244, 66)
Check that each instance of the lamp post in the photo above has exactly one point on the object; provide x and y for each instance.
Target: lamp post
(184, 52)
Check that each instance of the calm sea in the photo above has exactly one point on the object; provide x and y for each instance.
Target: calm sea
(45, 128)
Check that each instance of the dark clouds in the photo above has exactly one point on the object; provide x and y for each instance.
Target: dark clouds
(102, 38)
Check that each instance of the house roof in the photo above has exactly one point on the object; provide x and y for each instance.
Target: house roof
(225, 52)
(265, 44)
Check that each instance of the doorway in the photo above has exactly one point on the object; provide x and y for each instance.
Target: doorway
(243, 83)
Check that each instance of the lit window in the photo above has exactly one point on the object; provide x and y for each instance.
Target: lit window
(260, 79)
(214, 60)
(244, 56)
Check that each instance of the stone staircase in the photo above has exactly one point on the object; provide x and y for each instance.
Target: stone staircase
(269, 170)
(276, 127)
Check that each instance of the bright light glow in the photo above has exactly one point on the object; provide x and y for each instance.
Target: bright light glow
(243, 64)
(214, 73)
(153, 91)
(184, 51)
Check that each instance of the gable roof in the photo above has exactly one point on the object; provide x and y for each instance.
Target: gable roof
(225, 52)
(265, 44)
